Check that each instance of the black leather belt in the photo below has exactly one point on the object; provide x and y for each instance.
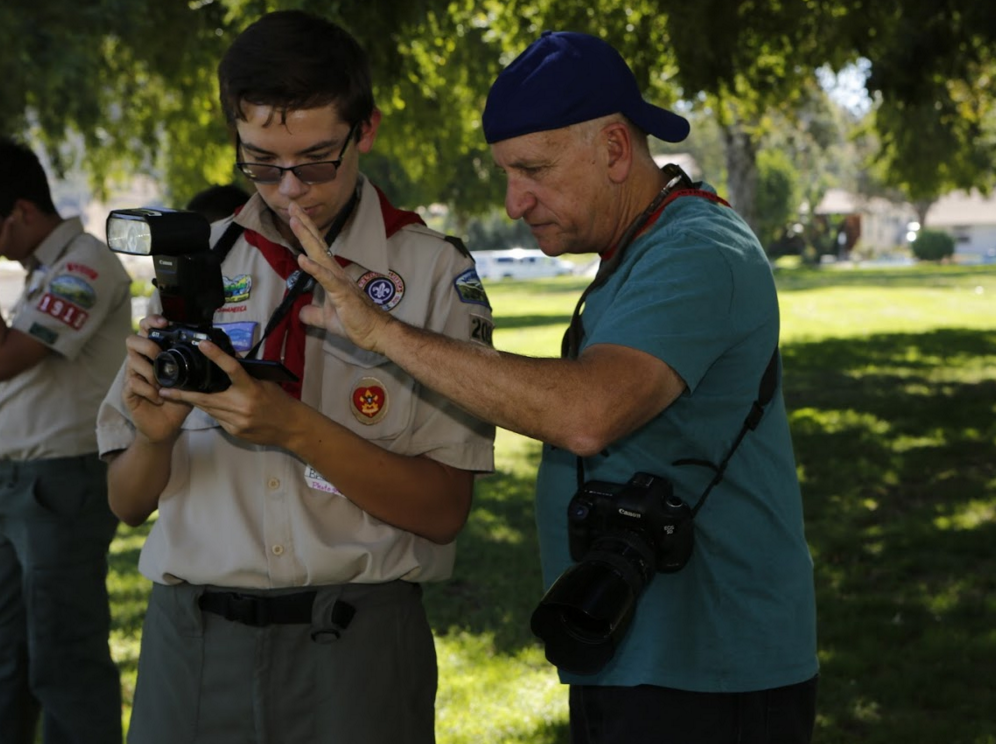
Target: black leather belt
(259, 611)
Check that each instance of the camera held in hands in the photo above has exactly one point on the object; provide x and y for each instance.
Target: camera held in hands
(621, 535)
(188, 277)
(180, 365)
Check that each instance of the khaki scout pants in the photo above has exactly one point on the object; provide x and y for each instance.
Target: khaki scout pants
(202, 678)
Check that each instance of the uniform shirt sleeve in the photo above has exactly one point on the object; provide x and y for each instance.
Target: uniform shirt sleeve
(67, 304)
(114, 429)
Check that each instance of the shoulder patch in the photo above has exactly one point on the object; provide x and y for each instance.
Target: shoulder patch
(78, 268)
(43, 334)
(470, 288)
(69, 313)
(74, 289)
(482, 329)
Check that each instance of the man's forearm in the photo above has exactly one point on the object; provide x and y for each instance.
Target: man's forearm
(536, 397)
(581, 405)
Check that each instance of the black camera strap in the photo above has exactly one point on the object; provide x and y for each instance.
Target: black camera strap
(227, 240)
(765, 392)
(570, 346)
(674, 177)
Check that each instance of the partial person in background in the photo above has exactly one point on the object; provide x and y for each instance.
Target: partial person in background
(58, 357)
(674, 620)
(297, 520)
(218, 202)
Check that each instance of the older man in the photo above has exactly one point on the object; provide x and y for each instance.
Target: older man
(673, 618)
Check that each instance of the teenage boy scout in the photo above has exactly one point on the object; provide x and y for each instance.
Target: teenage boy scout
(296, 520)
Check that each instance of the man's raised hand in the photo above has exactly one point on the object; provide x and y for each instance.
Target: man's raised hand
(347, 311)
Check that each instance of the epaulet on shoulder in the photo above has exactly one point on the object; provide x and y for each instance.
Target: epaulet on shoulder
(429, 232)
(458, 244)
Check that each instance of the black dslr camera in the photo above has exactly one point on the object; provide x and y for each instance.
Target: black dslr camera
(620, 535)
(188, 277)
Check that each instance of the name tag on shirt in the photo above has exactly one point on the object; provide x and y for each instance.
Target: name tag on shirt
(315, 480)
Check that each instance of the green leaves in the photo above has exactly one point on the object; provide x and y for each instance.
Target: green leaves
(137, 79)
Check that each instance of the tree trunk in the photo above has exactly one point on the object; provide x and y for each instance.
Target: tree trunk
(741, 169)
(922, 206)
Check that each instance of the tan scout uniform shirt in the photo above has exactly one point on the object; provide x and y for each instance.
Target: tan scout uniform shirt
(236, 514)
(76, 301)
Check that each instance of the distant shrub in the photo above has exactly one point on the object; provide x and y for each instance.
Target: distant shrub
(778, 196)
(931, 245)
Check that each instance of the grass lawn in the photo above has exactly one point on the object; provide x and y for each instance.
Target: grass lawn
(891, 389)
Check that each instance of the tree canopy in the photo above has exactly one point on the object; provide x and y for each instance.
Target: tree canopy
(137, 81)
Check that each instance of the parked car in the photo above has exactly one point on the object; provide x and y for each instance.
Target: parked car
(520, 263)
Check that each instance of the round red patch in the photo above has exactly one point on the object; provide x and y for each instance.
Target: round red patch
(369, 400)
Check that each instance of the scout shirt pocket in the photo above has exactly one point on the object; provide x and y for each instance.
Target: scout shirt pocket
(366, 392)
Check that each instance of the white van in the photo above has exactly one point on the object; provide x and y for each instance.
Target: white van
(519, 263)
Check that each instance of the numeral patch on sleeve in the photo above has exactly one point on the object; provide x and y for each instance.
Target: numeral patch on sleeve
(481, 329)
(73, 316)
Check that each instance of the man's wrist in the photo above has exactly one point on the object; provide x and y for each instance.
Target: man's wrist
(391, 333)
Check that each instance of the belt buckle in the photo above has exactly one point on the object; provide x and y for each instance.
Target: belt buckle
(247, 609)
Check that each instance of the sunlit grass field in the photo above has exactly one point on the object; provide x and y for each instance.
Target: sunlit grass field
(890, 380)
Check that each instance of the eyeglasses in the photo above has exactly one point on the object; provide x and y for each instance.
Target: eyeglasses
(319, 172)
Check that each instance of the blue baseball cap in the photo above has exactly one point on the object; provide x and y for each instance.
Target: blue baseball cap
(565, 78)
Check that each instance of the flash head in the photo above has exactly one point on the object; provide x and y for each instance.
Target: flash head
(146, 231)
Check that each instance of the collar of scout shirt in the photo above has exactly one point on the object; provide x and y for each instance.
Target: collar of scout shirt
(50, 250)
(363, 240)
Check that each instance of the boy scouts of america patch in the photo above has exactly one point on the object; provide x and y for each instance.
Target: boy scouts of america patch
(386, 291)
(368, 401)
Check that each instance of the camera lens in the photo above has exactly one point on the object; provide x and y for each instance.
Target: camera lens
(173, 367)
(584, 614)
(168, 372)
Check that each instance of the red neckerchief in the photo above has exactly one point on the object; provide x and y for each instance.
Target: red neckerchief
(395, 219)
(288, 338)
(607, 254)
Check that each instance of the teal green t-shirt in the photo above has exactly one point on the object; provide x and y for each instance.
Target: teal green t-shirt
(696, 291)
